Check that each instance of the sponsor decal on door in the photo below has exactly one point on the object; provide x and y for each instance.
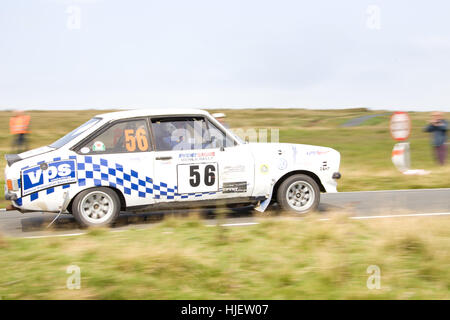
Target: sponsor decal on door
(234, 187)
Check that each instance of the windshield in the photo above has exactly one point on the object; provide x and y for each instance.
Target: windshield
(239, 139)
(75, 133)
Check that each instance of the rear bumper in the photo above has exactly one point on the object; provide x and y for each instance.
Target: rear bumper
(10, 196)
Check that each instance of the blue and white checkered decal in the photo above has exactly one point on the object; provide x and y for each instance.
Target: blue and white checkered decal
(97, 171)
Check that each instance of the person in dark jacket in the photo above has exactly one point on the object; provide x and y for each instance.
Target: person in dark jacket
(438, 126)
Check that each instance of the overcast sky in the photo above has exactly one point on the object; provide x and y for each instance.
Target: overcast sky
(230, 53)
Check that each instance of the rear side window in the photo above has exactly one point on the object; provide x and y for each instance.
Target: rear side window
(121, 137)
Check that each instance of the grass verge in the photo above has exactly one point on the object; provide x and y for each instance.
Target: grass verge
(278, 259)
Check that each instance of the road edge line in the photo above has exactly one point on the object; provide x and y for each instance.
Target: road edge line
(55, 235)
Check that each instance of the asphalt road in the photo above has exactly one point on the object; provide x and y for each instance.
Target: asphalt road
(368, 204)
(360, 120)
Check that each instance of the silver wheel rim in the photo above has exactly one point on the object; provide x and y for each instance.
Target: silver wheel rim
(300, 196)
(96, 207)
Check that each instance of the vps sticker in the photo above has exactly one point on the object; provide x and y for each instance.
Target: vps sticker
(57, 173)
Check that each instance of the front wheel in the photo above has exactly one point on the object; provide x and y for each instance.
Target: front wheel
(299, 194)
(96, 207)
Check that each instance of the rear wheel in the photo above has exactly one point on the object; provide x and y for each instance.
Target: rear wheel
(96, 207)
(299, 194)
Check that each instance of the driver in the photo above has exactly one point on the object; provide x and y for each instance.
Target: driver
(163, 136)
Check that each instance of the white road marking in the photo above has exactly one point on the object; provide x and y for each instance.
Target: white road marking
(404, 215)
(354, 218)
(393, 191)
(65, 235)
(396, 216)
(255, 223)
(233, 224)
(56, 235)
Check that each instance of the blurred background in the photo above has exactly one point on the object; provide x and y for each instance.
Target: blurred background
(326, 73)
(360, 135)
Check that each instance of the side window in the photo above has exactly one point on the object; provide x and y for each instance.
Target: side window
(180, 133)
(187, 133)
(218, 138)
(124, 136)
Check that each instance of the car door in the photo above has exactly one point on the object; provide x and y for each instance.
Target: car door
(194, 160)
(120, 156)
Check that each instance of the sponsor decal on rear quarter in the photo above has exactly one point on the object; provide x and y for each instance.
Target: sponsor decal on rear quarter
(57, 173)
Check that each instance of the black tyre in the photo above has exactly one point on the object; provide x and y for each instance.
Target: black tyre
(299, 194)
(96, 207)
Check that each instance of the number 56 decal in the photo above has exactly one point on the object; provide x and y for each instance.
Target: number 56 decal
(133, 139)
(199, 177)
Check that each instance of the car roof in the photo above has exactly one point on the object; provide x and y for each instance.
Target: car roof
(150, 112)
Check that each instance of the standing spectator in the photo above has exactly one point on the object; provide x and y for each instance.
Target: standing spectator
(19, 127)
(438, 126)
(221, 118)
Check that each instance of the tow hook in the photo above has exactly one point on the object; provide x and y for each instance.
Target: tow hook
(63, 207)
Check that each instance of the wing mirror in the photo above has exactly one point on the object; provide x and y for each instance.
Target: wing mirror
(218, 143)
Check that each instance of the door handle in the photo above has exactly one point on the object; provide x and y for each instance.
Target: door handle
(164, 158)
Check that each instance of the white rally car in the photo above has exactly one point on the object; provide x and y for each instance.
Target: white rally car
(158, 159)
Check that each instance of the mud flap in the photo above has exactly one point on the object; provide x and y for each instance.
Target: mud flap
(262, 206)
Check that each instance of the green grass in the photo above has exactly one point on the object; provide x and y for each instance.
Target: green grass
(277, 259)
(365, 149)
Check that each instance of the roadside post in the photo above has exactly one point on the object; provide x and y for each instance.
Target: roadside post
(400, 127)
